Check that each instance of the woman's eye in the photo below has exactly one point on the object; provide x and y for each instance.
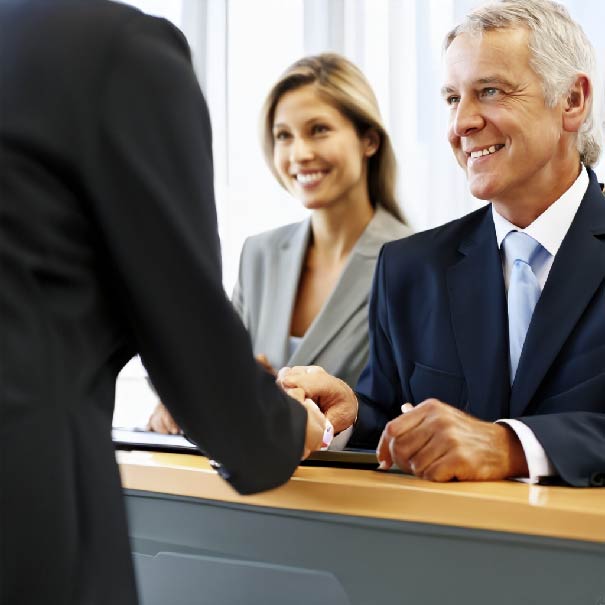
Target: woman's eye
(281, 135)
(319, 129)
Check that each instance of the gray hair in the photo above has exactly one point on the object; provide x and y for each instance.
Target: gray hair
(559, 51)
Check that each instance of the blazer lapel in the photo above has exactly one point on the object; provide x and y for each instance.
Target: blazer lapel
(578, 270)
(479, 320)
(287, 269)
(350, 293)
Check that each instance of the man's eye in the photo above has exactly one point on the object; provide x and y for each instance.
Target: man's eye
(452, 99)
(490, 91)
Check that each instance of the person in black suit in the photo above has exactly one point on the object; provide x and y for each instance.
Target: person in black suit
(109, 247)
(466, 331)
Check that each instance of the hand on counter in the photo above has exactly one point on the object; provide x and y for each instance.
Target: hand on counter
(334, 397)
(161, 421)
(438, 442)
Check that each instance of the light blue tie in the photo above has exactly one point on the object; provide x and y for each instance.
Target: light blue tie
(523, 291)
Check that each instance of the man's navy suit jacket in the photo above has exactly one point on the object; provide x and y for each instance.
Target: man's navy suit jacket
(439, 328)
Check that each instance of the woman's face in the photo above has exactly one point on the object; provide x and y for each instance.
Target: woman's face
(317, 153)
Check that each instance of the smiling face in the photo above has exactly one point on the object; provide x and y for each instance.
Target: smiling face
(513, 148)
(317, 152)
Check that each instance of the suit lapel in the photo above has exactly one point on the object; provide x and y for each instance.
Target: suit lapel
(350, 293)
(479, 320)
(578, 270)
(287, 267)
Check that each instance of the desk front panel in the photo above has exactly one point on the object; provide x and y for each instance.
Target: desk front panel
(357, 537)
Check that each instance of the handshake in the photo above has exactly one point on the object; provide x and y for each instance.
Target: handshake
(330, 403)
(432, 440)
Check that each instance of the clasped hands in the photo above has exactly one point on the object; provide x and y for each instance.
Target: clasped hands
(432, 440)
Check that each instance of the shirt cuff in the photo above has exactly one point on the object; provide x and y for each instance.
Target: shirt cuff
(340, 441)
(538, 463)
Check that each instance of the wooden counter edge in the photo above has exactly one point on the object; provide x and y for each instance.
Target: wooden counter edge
(406, 500)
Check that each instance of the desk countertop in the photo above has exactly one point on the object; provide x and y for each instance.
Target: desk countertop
(506, 506)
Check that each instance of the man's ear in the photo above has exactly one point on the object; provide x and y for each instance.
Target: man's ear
(371, 142)
(576, 104)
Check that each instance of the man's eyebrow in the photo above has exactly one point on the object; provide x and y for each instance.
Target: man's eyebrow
(495, 80)
(499, 80)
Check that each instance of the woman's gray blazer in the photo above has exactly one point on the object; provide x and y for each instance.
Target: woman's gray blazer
(264, 296)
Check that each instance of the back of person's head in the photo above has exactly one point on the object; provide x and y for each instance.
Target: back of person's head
(559, 51)
(341, 84)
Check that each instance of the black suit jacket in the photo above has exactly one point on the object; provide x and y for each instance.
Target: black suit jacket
(108, 247)
(439, 328)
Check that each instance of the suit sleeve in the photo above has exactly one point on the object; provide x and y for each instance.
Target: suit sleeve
(378, 390)
(237, 299)
(574, 443)
(150, 164)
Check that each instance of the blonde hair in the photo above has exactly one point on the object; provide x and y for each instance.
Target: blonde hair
(344, 86)
(559, 51)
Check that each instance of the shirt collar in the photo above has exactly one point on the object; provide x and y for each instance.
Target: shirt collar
(552, 225)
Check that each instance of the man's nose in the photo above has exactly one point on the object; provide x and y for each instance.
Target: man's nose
(467, 118)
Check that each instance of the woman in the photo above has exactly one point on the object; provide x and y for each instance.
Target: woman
(303, 289)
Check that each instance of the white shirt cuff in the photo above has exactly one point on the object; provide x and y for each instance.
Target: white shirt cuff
(340, 441)
(538, 463)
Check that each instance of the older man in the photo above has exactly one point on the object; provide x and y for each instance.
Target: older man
(500, 315)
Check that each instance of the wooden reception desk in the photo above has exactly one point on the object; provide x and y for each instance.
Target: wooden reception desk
(342, 536)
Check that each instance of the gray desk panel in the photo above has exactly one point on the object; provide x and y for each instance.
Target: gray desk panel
(194, 551)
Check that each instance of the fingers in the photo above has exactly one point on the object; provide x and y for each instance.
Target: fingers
(383, 452)
(441, 469)
(438, 442)
(281, 373)
(161, 421)
(297, 394)
(293, 376)
(412, 440)
(408, 421)
(316, 383)
(316, 424)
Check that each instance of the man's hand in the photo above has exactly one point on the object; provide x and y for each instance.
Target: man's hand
(438, 442)
(316, 422)
(333, 396)
(161, 421)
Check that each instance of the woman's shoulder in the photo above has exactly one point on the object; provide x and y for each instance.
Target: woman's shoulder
(383, 228)
(274, 239)
(389, 227)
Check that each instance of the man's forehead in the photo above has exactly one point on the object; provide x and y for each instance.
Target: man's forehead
(492, 55)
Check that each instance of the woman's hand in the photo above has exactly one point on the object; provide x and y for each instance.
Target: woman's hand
(161, 421)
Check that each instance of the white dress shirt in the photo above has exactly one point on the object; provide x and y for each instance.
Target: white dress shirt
(549, 230)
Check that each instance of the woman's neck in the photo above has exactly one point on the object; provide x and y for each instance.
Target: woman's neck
(335, 230)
